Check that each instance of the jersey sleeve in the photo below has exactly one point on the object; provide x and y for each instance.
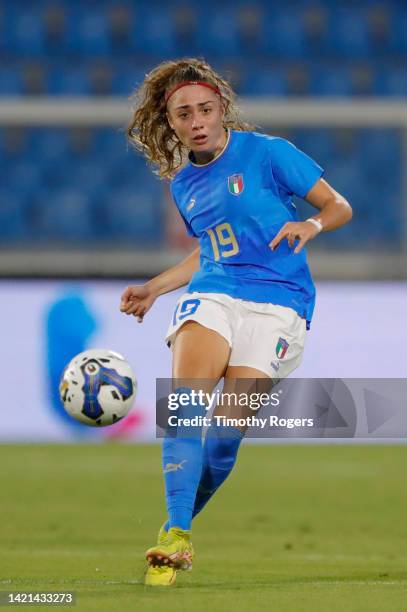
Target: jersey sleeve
(188, 227)
(293, 170)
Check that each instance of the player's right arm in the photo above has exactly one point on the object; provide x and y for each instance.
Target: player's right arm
(137, 299)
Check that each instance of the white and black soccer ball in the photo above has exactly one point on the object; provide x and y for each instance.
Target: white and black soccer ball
(98, 387)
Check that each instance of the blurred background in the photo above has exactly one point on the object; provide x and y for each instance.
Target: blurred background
(79, 209)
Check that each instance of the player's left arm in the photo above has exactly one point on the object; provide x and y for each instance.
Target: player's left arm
(334, 211)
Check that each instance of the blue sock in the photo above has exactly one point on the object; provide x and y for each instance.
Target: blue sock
(182, 466)
(219, 457)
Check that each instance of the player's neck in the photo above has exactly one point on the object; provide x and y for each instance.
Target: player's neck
(204, 157)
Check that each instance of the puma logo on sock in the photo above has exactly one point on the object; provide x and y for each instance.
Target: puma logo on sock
(173, 467)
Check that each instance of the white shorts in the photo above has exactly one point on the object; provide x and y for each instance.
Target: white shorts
(267, 337)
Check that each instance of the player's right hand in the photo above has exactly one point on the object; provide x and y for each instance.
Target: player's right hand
(137, 300)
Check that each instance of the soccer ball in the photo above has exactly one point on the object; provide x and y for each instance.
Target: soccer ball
(98, 387)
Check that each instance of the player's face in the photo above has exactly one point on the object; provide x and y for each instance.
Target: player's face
(196, 113)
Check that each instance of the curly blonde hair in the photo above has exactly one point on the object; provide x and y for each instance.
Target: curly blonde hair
(149, 130)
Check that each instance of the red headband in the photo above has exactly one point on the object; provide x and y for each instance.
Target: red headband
(184, 83)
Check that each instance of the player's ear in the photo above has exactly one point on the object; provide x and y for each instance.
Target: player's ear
(169, 121)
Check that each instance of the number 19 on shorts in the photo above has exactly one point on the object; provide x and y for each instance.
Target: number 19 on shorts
(223, 240)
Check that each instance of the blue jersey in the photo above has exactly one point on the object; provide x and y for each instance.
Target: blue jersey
(235, 205)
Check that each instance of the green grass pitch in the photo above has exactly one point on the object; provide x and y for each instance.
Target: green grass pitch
(294, 528)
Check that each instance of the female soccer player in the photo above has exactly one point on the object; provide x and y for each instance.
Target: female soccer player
(250, 296)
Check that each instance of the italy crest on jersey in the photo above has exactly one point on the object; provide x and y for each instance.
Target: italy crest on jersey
(235, 184)
(281, 348)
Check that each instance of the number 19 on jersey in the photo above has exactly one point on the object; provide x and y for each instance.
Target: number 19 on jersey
(223, 240)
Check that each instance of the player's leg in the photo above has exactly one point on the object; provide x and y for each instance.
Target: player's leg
(200, 360)
(222, 441)
(200, 354)
(268, 344)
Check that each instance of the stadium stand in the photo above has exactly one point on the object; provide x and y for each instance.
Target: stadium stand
(67, 184)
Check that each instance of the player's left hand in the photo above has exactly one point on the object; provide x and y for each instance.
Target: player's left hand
(302, 231)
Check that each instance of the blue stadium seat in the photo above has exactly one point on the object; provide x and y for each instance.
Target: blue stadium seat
(13, 216)
(125, 164)
(348, 33)
(23, 32)
(130, 170)
(47, 145)
(217, 32)
(88, 176)
(87, 31)
(64, 215)
(51, 143)
(69, 80)
(107, 138)
(345, 175)
(153, 32)
(11, 81)
(398, 30)
(265, 81)
(24, 177)
(130, 214)
(331, 80)
(391, 80)
(127, 77)
(282, 33)
(380, 148)
(318, 143)
(109, 146)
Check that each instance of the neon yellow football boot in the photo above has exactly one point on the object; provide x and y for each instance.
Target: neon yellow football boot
(160, 575)
(174, 551)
